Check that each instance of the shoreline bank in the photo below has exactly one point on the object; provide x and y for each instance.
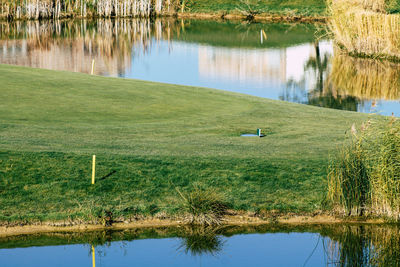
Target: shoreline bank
(235, 220)
(264, 17)
(267, 17)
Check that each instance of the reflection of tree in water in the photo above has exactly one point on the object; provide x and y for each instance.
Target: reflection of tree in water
(331, 100)
(321, 94)
(199, 241)
(349, 84)
(363, 245)
(319, 66)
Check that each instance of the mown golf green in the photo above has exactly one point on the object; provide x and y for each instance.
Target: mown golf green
(150, 138)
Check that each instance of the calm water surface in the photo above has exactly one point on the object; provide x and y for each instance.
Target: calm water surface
(339, 245)
(275, 60)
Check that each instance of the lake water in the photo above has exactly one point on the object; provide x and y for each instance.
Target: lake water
(270, 245)
(291, 62)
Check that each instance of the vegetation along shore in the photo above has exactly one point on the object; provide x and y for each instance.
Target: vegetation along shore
(309, 10)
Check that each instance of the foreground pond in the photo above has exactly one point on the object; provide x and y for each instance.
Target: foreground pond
(339, 245)
(275, 60)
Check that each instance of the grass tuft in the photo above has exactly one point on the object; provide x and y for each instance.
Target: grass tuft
(203, 207)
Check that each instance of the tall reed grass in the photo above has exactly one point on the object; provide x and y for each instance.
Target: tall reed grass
(40, 9)
(363, 27)
(364, 178)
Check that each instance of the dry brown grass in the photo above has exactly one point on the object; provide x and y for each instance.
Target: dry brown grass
(364, 27)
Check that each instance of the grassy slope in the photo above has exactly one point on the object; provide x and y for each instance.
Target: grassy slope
(152, 137)
(281, 7)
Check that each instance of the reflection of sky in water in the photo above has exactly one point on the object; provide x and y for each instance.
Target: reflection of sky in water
(279, 249)
(382, 107)
(259, 72)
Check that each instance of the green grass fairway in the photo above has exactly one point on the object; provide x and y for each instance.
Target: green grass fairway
(150, 138)
(279, 7)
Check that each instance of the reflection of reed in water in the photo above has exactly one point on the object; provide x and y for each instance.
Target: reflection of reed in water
(365, 78)
(201, 240)
(363, 245)
(72, 45)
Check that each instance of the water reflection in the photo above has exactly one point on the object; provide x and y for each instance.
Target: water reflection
(72, 45)
(275, 60)
(364, 245)
(275, 245)
(372, 81)
(198, 241)
(320, 92)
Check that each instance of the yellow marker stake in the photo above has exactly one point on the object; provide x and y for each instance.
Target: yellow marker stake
(93, 257)
(93, 168)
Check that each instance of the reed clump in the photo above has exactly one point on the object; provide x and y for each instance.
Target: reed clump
(364, 78)
(55, 9)
(364, 27)
(203, 207)
(364, 178)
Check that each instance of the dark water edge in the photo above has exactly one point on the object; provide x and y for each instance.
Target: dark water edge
(271, 245)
